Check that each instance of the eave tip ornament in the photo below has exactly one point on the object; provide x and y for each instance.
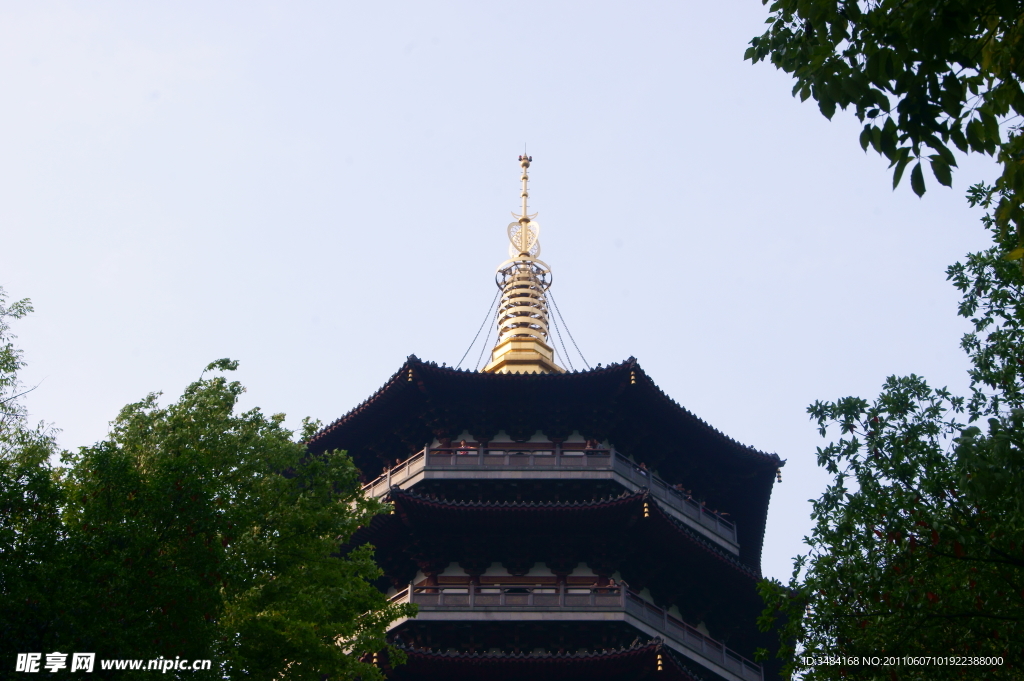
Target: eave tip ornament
(522, 346)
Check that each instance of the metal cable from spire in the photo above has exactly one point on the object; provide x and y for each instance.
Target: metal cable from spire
(483, 347)
(486, 317)
(559, 313)
(565, 353)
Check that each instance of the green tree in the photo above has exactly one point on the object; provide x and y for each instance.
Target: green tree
(208, 530)
(918, 546)
(923, 77)
(31, 501)
(194, 531)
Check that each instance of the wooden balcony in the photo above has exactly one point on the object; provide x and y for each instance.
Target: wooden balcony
(550, 461)
(549, 602)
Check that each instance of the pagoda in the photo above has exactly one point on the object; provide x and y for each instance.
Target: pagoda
(558, 525)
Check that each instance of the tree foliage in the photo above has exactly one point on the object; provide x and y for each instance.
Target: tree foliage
(31, 502)
(923, 76)
(194, 531)
(918, 546)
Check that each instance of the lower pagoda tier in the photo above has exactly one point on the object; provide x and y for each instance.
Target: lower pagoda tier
(430, 542)
(633, 662)
(558, 618)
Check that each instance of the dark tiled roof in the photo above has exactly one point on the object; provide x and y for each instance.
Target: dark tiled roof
(618, 402)
(419, 368)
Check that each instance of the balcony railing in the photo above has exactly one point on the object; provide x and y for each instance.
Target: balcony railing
(554, 458)
(553, 598)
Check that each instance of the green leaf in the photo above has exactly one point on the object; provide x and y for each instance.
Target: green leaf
(873, 66)
(876, 138)
(897, 174)
(827, 106)
(917, 179)
(946, 154)
(975, 135)
(991, 125)
(889, 65)
(952, 96)
(889, 139)
(851, 87)
(959, 139)
(225, 364)
(1015, 254)
(882, 101)
(941, 171)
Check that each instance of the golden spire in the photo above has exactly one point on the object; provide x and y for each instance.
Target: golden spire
(523, 312)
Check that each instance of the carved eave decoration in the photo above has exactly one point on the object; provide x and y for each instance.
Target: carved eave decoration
(639, 661)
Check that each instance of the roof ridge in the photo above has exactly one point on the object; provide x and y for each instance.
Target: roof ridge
(359, 407)
(749, 448)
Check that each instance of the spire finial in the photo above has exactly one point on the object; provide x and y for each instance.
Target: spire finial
(523, 312)
(524, 162)
(524, 233)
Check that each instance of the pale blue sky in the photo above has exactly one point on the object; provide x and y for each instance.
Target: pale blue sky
(320, 189)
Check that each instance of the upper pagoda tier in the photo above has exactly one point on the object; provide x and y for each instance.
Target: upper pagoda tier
(618, 404)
